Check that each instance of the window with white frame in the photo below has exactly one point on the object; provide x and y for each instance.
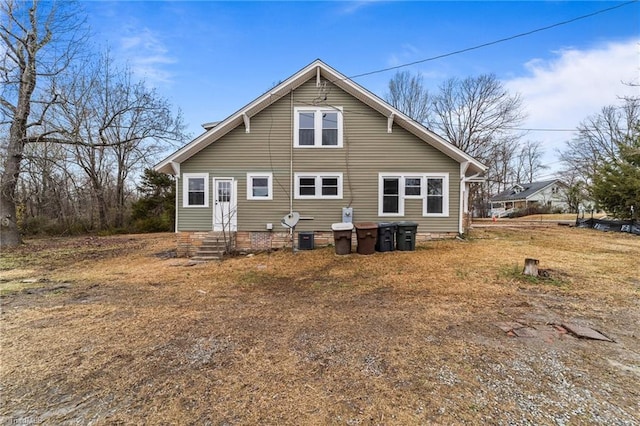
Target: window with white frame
(317, 127)
(412, 186)
(391, 196)
(259, 186)
(318, 185)
(434, 200)
(432, 189)
(195, 190)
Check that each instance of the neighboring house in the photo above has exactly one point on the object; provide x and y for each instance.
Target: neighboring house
(549, 194)
(322, 146)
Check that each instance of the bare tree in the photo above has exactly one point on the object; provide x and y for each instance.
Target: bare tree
(478, 115)
(114, 127)
(38, 41)
(528, 163)
(598, 138)
(408, 94)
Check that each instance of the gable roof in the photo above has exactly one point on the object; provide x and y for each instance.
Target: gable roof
(523, 191)
(316, 69)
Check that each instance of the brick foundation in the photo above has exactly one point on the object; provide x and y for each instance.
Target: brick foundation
(188, 242)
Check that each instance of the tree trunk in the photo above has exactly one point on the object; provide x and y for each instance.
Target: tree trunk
(531, 267)
(9, 232)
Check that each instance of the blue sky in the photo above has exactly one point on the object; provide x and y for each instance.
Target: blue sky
(212, 58)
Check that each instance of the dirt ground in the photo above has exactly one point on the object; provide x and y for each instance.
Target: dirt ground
(115, 330)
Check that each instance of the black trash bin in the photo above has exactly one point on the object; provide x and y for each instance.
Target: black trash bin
(406, 236)
(386, 237)
(342, 237)
(367, 236)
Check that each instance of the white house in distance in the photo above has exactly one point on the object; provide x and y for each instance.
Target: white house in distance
(546, 194)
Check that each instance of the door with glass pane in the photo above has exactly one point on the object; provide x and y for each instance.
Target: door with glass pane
(225, 208)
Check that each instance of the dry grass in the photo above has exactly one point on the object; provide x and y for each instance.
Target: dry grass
(113, 330)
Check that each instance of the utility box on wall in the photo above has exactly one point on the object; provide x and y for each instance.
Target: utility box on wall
(347, 214)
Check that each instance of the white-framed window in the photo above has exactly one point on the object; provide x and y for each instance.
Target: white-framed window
(317, 127)
(391, 195)
(436, 202)
(413, 186)
(431, 188)
(259, 186)
(195, 190)
(318, 185)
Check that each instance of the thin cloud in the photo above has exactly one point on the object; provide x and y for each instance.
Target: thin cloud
(148, 57)
(355, 6)
(561, 92)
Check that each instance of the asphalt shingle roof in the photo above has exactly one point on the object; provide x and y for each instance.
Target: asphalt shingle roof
(528, 190)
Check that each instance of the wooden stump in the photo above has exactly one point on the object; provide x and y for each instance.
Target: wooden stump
(531, 267)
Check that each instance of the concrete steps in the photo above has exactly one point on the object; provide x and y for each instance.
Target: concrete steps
(212, 248)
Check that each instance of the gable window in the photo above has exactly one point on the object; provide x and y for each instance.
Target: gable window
(317, 127)
(432, 189)
(318, 185)
(259, 186)
(195, 190)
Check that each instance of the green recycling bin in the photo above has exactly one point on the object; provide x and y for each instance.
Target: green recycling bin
(367, 236)
(406, 236)
(386, 237)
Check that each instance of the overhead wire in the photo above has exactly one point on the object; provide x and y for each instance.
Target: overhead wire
(491, 43)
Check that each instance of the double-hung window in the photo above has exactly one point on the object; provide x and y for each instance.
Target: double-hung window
(318, 185)
(317, 127)
(434, 200)
(259, 186)
(195, 190)
(431, 189)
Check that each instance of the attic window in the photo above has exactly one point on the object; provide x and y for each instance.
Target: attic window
(317, 127)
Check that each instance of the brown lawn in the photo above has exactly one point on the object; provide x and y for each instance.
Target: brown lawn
(112, 330)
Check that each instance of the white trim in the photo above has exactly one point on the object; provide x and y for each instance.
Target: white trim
(250, 177)
(233, 208)
(177, 201)
(404, 186)
(318, 185)
(247, 123)
(390, 123)
(402, 178)
(185, 189)
(381, 178)
(317, 126)
(445, 194)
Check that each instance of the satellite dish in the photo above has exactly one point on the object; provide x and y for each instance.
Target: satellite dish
(290, 220)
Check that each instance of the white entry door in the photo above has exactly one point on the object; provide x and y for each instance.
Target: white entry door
(225, 208)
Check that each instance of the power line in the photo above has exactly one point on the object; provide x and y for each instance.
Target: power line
(491, 43)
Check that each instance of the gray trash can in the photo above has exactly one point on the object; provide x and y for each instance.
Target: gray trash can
(386, 237)
(406, 236)
(342, 233)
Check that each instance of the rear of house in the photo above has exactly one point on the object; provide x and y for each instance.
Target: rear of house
(325, 148)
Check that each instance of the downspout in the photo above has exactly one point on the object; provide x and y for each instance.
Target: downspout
(291, 189)
(291, 183)
(175, 225)
(464, 166)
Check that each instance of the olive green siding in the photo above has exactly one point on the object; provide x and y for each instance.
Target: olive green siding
(368, 149)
